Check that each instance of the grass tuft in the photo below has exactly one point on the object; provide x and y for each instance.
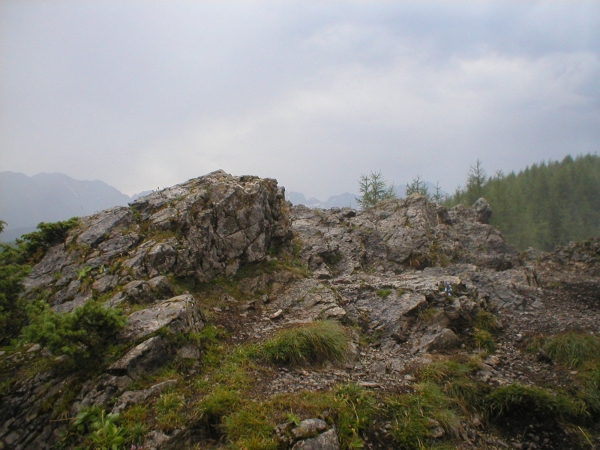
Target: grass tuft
(484, 340)
(314, 344)
(517, 399)
(572, 349)
(412, 415)
(486, 321)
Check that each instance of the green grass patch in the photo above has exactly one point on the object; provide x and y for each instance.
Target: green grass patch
(519, 400)
(572, 349)
(308, 344)
(349, 407)
(383, 293)
(455, 377)
(484, 340)
(486, 321)
(167, 408)
(412, 415)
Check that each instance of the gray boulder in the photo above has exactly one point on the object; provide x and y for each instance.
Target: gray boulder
(177, 314)
(143, 358)
(483, 210)
(324, 441)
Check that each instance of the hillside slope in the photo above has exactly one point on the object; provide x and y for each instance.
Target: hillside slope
(252, 324)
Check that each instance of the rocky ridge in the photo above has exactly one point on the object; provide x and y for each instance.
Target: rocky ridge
(407, 279)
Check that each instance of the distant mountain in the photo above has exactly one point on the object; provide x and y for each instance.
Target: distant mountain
(48, 197)
(340, 201)
(140, 194)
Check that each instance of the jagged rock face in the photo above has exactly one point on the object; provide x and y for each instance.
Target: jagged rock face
(397, 235)
(203, 228)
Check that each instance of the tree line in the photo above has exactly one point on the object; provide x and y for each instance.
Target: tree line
(545, 205)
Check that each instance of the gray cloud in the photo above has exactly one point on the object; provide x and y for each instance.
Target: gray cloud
(147, 94)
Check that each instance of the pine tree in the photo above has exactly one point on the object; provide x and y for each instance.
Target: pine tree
(374, 188)
(475, 181)
(417, 186)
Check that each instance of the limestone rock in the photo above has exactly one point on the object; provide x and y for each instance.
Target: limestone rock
(103, 224)
(129, 398)
(102, 392)
(309, 428)
(483, 210)
(138, 291)
(177, 314)
(145, 357)
(444, 340)
(325, 441)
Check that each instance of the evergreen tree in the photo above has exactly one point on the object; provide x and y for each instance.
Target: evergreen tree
(475, 181)
(417, 186)
(437, 196)
(374, 188)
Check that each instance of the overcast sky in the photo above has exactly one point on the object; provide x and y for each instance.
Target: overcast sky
(147, 94)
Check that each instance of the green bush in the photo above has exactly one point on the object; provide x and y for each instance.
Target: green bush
(15, 265)
(34, 245)
(12, 306)
(355, 410)
(314, 343)
(572, 349)
(217, 404)
(168, 407)
(82, 334)
(591, 391)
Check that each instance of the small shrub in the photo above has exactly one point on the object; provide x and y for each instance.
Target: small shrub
(314, 343)
(249, 427)
(135, 421)
(82, 334)
(34, 245)
(440, 371)
(221, 401)
(425, 315)
(591, 391)
(453, 377)
(572, 349)
(12, 305)
(83, 272)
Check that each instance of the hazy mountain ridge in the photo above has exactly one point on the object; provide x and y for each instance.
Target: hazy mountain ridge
(49, 197)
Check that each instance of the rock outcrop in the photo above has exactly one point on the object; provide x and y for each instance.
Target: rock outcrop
(204, 228)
